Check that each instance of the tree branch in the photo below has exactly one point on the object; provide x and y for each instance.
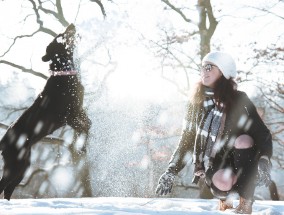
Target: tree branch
(101, 6)
(40, 22)
(167, 2)
(267, 11)
(15, 39)
(58, 15)
(31, 71)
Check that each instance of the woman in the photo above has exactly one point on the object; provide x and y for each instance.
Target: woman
(231, 146)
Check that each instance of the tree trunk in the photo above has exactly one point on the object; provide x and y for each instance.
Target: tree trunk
(205, 13)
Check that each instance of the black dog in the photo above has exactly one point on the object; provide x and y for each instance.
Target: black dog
(60, 103)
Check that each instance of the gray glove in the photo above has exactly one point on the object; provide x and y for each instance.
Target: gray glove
(263, 176)
(166, 182)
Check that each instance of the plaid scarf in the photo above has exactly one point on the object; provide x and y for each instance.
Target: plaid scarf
(207, 129)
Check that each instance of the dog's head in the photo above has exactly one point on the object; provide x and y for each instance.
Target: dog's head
(60, 51)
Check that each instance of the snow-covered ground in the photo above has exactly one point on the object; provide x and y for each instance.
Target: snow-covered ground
(128, 206)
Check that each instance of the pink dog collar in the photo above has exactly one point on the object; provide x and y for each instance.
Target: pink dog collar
(60, 73)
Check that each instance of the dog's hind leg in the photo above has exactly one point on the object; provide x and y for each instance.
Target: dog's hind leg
(9, 176)
(16, 156)
(9, 170)
(14, 170)
(8, 191)
(3, 184)
(23, 165)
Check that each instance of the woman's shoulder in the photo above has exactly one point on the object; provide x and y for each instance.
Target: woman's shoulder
(242, 99)
(240, 93)
(241, 96)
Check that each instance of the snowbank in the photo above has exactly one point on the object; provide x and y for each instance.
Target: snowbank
(127, 206)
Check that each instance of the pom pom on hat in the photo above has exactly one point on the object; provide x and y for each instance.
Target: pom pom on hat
(223, 61)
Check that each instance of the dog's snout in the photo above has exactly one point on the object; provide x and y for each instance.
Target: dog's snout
(71, 29)
(71, 26)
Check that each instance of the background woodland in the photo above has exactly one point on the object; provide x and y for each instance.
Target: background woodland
(138, 61)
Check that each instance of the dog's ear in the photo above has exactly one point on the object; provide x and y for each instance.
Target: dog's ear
(45, 58)
(50, 51)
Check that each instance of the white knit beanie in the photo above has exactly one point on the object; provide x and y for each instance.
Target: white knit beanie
(224, 61)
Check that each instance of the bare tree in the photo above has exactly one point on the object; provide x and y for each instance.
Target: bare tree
(271, 90)
(205, 13)
(180, 53)
(270, 84)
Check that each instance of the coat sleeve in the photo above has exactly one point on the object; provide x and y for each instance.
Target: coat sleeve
(256, 128)
(186, 142)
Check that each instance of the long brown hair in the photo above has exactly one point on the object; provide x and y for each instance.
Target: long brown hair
(224, 92)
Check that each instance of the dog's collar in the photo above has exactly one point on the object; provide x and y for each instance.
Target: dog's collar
(60, 73)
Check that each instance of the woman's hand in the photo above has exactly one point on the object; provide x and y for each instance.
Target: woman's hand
(166, 182)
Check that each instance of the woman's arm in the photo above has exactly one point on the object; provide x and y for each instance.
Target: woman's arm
(256, 128)
(186, 143)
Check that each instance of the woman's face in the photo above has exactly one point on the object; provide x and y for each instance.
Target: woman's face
(210, 73)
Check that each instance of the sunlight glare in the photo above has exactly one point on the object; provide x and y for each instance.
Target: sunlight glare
(134, 80)
(62, 178)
